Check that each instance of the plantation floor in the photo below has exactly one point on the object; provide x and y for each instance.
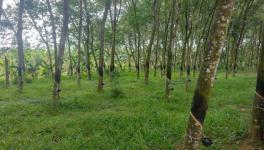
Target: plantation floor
(138, 119)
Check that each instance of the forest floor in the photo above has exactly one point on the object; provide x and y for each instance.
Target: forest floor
(136, 119)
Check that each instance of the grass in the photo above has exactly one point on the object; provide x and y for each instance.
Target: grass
(139, 119)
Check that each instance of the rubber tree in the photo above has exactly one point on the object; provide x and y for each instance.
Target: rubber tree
(53, 28)
(137, 37)
(20, 68)
(7, 72)
(101, 49)
(70, 68)
(186, 52)
(165, 36)
(58, 65)
(114, 15)
(241, 35)
(1, 7)
(87, 41)
(207, 74)
(156, 9)
(78, 67)
(173, 24)
(256, 130)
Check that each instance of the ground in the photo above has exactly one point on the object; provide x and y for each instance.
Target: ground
(137, 119)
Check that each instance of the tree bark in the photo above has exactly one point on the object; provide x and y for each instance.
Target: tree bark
(87, 42)
(157, 50)
(1, 8)
(185, 53)
(207, 75)
(92, 48)
(138, 39)
(54, 35)
(165, 39)
(114, 20)
(173, 24)
(241, 35)
(78, 67)
(256, 130)
(7, 73)
(101, 52)
(58, 66)
(20, 68)
(156, 8)
(70, 72)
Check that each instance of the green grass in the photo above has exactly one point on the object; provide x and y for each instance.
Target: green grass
(139, 119)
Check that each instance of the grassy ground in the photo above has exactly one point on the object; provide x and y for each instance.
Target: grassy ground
(140, 119)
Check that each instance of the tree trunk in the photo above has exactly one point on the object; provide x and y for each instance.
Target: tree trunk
(7, 73)
(54, 35)
(101, 52)
(138, 39)
(92, 49)
(114, 19)
(227, 60)
(1, 8)
(20, 68)
(58, 66)
(241, 35)
(207, 74)
(70, 72)
(157, 50)
(186, 51)
(256, 130)
(78, 67)
(165, 39)
(155, 22)
(173, 24)
(87, 42)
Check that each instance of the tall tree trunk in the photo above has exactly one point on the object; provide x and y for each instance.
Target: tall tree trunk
(227, 60)
(101, 52)
(114, 20)
(78, 67)
(185, 52)
(92, 48)
(20, 68)
(155, 22)
(207, 74)
(256, 130)
(54, 35)
(157, 50)
(88, 61)
(173, 24)
(58, 66)
(188, 67)
(131, 48)
(7, 73)
(70, 72)
(165, 39)
(241, 35)
(189, 53)
(1, 8)
(129, 57)
(138, 39)
(87, 42)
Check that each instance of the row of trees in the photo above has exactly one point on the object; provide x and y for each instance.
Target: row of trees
(150, 35)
